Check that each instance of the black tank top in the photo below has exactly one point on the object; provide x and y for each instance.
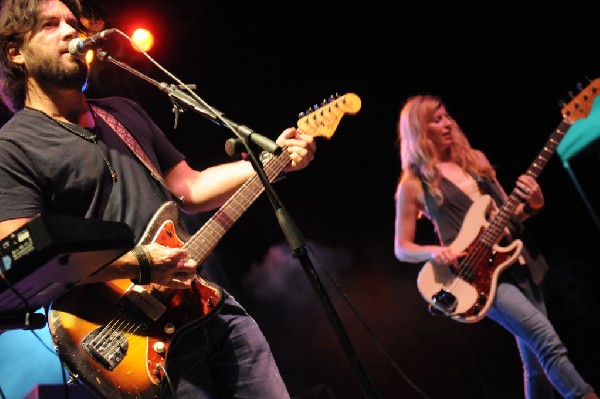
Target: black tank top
(448, 218)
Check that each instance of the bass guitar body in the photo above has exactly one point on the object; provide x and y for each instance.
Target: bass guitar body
(466, 292)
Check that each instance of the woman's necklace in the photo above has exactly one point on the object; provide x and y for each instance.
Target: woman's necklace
(91, 138)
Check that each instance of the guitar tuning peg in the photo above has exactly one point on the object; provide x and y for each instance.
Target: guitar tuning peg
(324, 102)
(579, 86)
(561, 103)
(570, 94)
(315, 107)
(301, 115)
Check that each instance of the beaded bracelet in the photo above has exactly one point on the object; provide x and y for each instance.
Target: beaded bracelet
(145, 261)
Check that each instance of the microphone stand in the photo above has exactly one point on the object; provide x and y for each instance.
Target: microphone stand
(293, 235)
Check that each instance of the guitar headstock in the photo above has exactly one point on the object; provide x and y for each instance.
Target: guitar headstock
(324, 120)
(580, 106)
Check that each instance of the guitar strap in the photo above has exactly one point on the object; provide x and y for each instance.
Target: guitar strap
(133, 145)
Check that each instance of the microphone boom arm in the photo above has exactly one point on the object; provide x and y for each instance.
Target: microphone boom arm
(242, 131)
(190, 99)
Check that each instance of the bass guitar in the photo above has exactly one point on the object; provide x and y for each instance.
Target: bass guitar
(115, 336)
(465, 291)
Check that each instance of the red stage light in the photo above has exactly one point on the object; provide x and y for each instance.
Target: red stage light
(143, 38)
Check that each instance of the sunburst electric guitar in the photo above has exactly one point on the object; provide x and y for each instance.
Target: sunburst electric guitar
(115, 336)
(465, 291)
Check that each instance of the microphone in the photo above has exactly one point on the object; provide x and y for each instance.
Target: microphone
(78, 47)
(23, 321)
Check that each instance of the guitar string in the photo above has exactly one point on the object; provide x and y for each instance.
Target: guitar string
(274, 165)
(482, 249)
(121, 324)
(110, 334)
(116, 325)
(471, 262)
(504, 213)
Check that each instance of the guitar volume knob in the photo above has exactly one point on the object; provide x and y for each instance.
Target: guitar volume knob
(159, 347)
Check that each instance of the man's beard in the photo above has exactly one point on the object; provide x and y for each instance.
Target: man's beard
(54, 74)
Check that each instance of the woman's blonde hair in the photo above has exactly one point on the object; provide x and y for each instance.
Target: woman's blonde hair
(418, 154)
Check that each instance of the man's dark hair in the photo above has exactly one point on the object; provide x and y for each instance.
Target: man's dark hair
(17, 19)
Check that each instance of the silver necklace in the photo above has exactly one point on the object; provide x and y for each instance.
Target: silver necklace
(91, 138)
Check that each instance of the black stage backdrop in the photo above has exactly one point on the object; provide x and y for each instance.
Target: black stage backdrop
(502, 71)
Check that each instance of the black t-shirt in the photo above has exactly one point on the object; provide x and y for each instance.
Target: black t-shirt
(45, 168)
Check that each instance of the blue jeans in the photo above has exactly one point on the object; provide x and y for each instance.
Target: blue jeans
(519, 308)
(227, 357)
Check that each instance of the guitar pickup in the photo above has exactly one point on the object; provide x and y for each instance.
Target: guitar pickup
(145, 302)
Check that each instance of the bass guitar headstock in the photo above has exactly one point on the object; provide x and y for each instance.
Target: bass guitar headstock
(581, 104)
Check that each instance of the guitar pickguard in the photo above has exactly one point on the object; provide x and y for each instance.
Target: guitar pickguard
(115, 336)
(467, 293)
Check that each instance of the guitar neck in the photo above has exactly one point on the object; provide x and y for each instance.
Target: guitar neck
(322, 121)
(499, 222)
(204, 241)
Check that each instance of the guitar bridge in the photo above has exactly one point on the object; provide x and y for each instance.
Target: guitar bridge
(107, 346)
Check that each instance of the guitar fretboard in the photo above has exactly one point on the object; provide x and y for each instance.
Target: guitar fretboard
(500, 220)
(323, 121)
(202, 243)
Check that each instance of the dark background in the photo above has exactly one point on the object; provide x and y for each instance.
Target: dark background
(502, 71)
